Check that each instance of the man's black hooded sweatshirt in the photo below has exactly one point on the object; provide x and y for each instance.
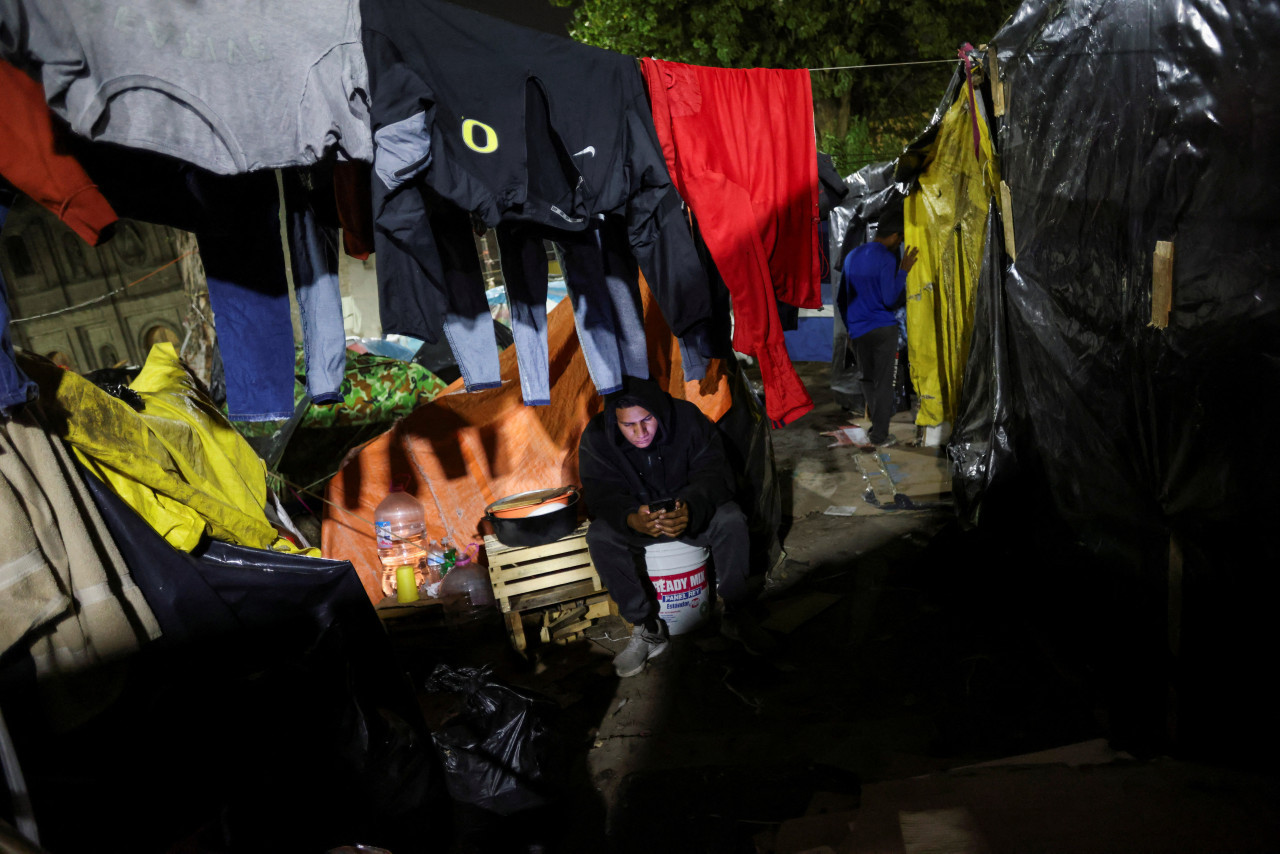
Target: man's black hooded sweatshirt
(685, 460)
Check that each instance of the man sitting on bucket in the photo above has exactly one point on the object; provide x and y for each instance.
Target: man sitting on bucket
(646, 449)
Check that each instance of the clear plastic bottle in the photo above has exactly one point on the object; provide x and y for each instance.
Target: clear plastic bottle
(466, 593)
(401, 530)
(435, 562)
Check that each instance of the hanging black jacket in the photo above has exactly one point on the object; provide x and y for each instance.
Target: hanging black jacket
(511, 123)
(686, 461)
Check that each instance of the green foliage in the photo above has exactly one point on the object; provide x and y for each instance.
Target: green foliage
(806, 34)
(851, 151)
(870, 142)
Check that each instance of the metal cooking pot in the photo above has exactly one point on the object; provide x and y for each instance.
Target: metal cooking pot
(534, 518)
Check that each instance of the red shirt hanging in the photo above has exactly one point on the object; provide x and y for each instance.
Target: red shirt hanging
(740, 148)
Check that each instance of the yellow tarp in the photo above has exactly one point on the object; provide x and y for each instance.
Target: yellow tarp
(179, 463)
(946, 220)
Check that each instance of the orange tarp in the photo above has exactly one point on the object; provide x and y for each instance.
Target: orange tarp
(461, 452)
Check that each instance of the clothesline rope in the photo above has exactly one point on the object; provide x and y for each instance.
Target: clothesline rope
(110, 294)
(309, 491)
(884, 65)
(105, 296)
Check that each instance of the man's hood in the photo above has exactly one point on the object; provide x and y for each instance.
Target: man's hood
(652, 398)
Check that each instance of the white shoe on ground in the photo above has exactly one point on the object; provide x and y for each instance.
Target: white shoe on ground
(643, 646)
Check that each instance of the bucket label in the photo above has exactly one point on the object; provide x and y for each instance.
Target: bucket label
(383, 531)
(683, 586)
(677, 588)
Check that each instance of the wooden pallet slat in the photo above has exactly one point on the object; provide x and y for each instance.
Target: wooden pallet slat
(542, 567)
(509, 560)
(532, 584)
(501, 553)
(553, 596)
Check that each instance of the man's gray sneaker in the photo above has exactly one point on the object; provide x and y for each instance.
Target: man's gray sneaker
(740, 626)
(643, 646)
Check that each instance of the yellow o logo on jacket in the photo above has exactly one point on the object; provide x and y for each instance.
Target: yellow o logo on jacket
(469, 136)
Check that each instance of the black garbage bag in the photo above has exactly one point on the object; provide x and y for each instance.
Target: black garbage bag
(115, 382)
(501, 753)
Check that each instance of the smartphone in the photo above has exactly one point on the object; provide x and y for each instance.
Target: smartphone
(668, 504)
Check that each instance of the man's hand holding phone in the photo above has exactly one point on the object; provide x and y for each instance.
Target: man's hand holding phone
(667, 517)
(674, 523)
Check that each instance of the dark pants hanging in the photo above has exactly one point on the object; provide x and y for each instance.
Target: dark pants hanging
(877, 353)
(619, 558)
(605, 299)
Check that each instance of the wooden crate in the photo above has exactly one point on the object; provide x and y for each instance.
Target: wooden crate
(544, 578)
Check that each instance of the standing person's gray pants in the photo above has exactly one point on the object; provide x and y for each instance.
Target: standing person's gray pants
(877, 353)
(619, 558)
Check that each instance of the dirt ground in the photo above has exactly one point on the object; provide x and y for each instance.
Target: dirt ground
(905, 662)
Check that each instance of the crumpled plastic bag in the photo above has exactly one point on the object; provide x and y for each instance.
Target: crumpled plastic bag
(501, 753)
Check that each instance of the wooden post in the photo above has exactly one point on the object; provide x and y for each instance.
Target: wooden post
(1161, 284)
(1006, 211)
(997, 85)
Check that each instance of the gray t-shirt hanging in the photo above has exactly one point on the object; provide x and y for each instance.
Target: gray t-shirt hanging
(230, 85)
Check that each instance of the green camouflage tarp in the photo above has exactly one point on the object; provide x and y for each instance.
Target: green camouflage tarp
(376, 389)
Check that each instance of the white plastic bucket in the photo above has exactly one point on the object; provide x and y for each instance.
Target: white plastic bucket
(678, 572)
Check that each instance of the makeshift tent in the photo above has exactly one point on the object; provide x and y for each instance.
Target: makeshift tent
(1127, 339)
(461, 452)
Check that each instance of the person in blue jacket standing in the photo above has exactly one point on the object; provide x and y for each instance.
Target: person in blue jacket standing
(876, 281)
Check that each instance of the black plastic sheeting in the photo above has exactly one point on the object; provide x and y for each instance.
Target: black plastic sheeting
(748, 448)
(852, 223)
(981, 451)
(270, 716)
(1129, 123)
